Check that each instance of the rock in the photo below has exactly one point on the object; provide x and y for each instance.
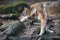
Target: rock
(1, 23)
(4, 15)
(13, 29)
(9, 16)
(4, 27)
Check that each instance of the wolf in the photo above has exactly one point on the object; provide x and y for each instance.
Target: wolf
(46, 11)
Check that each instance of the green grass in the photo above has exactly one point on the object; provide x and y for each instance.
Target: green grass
(10, 8)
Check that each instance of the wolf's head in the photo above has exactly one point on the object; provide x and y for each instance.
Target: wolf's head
(28, 13)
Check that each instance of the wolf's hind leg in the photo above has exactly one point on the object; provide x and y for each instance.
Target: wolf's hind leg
(48, 26)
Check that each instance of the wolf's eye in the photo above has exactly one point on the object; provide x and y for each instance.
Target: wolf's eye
(28, 11)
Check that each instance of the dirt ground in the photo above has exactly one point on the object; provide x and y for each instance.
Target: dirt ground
(30, 32)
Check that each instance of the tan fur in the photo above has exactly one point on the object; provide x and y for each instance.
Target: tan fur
(52, 10)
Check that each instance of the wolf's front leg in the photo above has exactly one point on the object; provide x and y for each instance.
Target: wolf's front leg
(43, 27)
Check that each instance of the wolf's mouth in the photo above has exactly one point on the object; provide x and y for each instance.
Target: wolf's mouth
(24, 18)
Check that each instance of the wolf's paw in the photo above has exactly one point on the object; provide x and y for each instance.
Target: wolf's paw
(40, 34)
(50, 31)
